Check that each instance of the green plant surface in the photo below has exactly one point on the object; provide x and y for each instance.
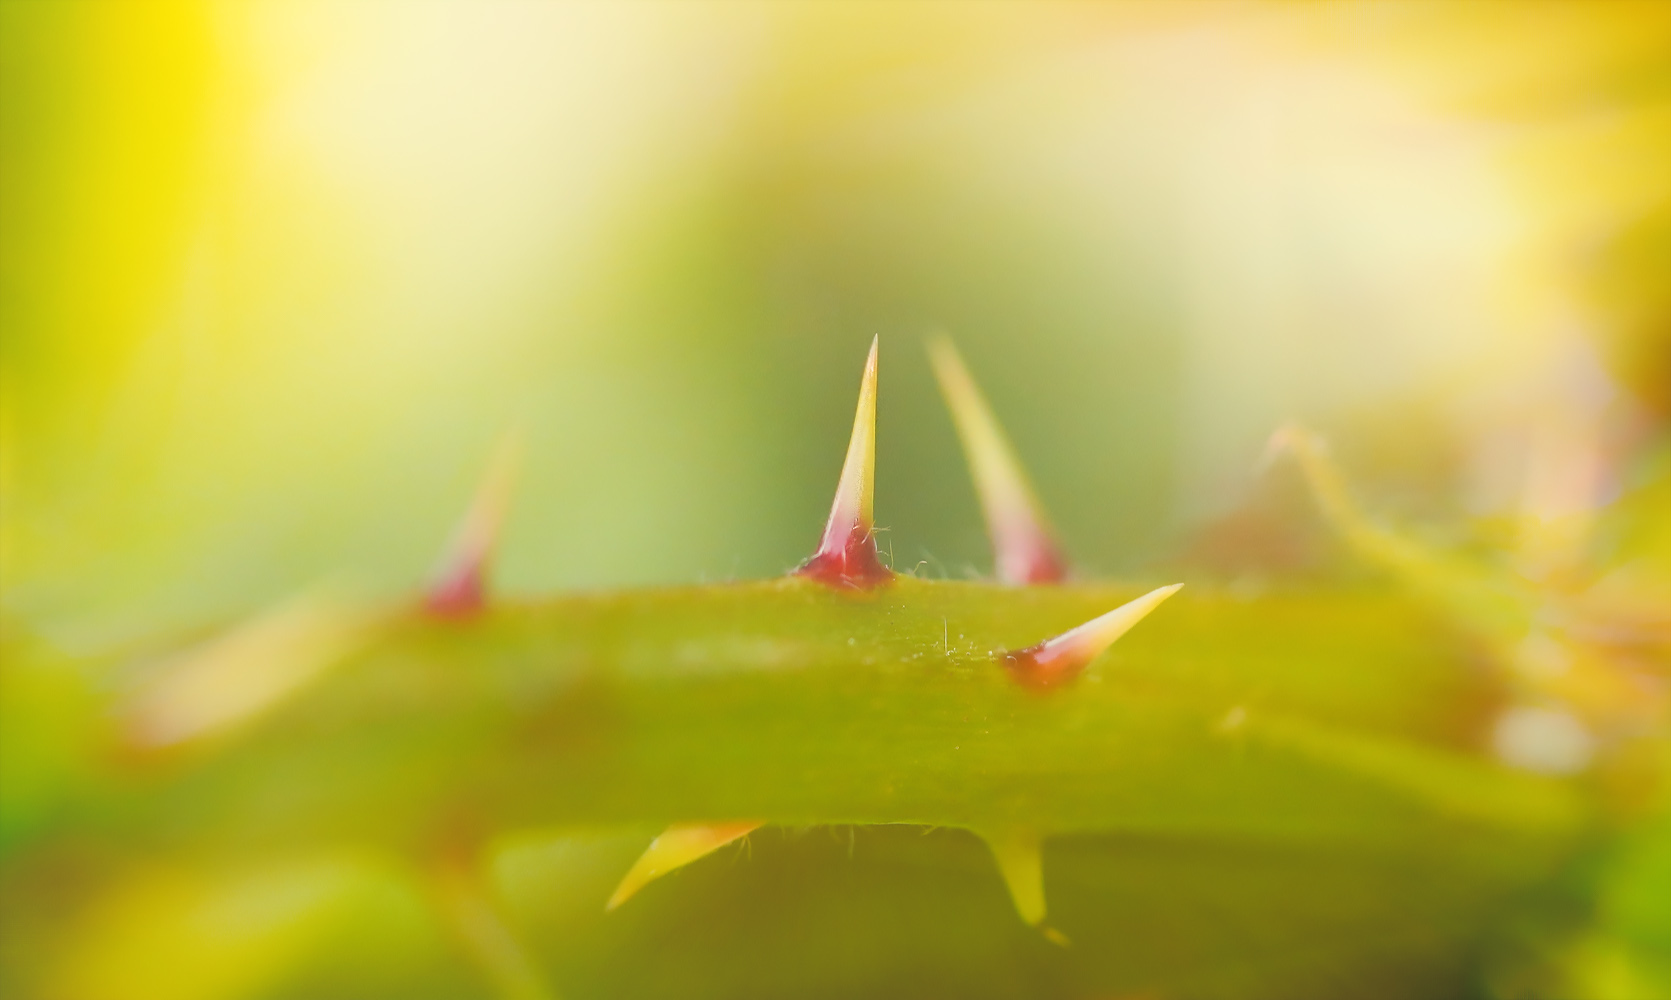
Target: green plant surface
(1302, 770)
(800, 704)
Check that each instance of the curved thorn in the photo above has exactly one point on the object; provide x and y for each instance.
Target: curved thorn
(1322, 478)
(1020, 862)
(1499, 606)
(248, 670)
(1062, 657)
(846, 555)
(678, 845)
(459, 587)
(1327, 486)
(1024, 548)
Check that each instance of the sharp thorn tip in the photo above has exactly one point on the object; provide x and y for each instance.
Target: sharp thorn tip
(678, 845)
(1063, 657)
(846, 554)
(1019, 854)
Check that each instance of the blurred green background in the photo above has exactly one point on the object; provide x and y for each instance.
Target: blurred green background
(276, 275)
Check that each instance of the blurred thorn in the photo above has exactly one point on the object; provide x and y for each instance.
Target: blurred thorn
(1327, 486)
(846, 555)
(476, 921)
(678, 845)
(1024, 548)
(459, 587)
(1322, 478)
(247, 671)
(1061, 658)
(1020, 862)
(1484, 598)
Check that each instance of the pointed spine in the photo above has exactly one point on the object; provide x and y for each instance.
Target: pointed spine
(1063, 657)
(459, 587)
(1025, 550)
(1020, 862)
(247, 671)
(1464, 590)
(1323, 478)
(846, 555)
(678, 845)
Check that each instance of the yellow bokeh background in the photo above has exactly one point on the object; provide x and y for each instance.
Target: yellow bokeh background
(276, 275)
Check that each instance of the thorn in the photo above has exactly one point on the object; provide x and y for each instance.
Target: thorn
(1340, 511)
(678, 845)
(475, 919)
(1322, 476)
(846, 555)
(459, 587)
(1499, 605)
(1062, 657)
(1020, 862)
(246, 671)
(1024, 547)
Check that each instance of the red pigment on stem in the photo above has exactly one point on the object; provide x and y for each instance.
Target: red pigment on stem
(1040, 666)
(846, 555)
(853, 563)
(1061, 658)
(1039, 562)
(459, 588)
(460, 595)
(1024, 548)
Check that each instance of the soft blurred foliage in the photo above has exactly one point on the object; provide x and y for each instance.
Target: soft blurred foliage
(275, 275)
